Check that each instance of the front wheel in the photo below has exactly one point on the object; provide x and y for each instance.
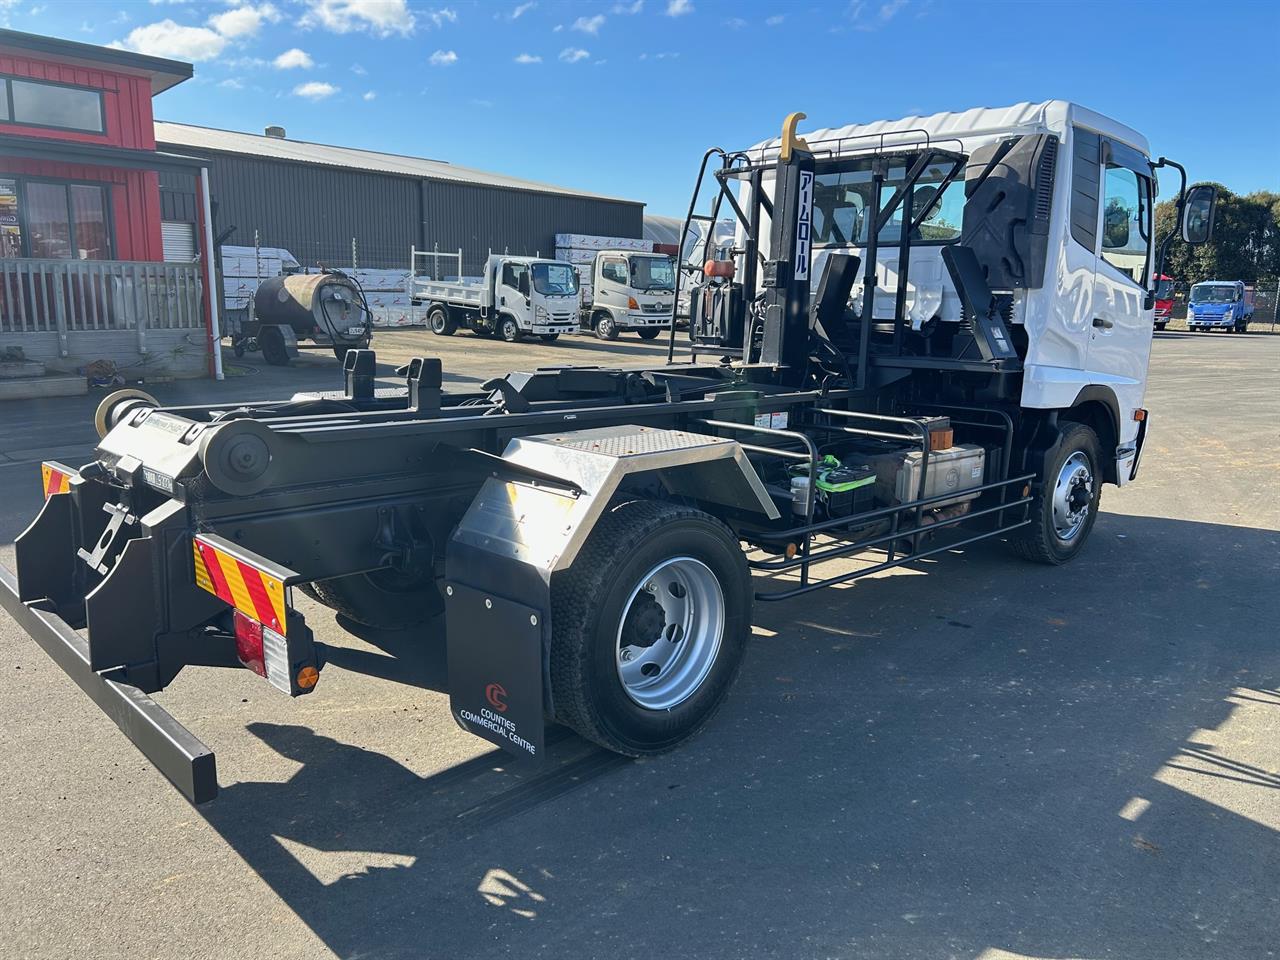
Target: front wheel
(606, 329)
(1064, 504)
(509, 329)
(649, 627)
(649, 334)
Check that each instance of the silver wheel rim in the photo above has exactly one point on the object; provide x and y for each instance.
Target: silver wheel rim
(664, 654)
(509, 330)
(1072, 496)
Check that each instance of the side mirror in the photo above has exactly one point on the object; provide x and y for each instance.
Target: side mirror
(524, 284)
(1197, 214)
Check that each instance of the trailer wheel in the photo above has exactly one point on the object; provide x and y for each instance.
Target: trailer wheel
(649, 334)
(1065, 505)
(441, 323)
(649, 627)
(274, 351)
(509, 329)
(606, 329)
(384, 599)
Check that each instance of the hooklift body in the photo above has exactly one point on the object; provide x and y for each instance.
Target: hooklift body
(925, 337)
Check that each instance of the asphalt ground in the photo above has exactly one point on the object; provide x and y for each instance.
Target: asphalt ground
(996, 760)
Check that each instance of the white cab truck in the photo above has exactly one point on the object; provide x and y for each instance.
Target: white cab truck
(515, 297)
(630, 290)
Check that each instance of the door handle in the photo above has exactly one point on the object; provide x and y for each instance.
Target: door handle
(1102, 323)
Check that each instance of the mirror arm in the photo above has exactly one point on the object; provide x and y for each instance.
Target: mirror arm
(1177, 216)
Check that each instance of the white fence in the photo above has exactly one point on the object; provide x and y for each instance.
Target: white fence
(75, 296)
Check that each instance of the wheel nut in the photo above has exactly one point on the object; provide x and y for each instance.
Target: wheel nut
(627, 656)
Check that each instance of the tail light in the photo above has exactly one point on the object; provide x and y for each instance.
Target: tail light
(263, 651)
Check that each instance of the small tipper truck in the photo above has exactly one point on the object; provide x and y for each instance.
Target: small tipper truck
(630, 291)
(923, 340)
(1220, 305)
(514, 297)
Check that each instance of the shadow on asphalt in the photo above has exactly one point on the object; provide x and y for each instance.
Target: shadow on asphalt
(1009, 757)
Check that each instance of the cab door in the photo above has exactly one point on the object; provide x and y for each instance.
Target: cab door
(612, 286)
(513, 292)
(1121, 321)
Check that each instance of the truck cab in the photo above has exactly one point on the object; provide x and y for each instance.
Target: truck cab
(1164, 302)
(631, 291)
(1219, 305)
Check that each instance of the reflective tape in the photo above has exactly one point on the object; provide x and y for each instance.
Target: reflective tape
(54, 480)
(251, 591)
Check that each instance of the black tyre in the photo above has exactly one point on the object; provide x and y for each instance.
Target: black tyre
(271, 340)
(650, 625)
(237, 347)
(649, 334)
(341, 353)
(1160, 326)
(1064, 503)
(385, 599)
(508, 329)
(548, 337)
(606, 329)
(440, 322)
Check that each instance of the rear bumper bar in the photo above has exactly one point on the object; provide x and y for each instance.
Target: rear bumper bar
(187, 763)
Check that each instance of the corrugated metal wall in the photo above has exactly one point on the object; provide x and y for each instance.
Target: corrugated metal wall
(315, 211)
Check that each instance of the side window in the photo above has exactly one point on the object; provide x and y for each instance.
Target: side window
(1124, 227)
(615, 270)
(511, 273)
(1085, 187)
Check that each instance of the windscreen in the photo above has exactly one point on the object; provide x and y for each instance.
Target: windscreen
(1164, 289)
(555, 279)
(1213, 293)
(652, 273)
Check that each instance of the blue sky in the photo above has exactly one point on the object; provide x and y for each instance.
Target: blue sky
(622, 96)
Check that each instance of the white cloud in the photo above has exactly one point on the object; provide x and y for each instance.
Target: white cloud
(678, 8)
(735, 23)
(172, 40)
(528, 58)
(243, 21)
(628, 9)
(231, 83)
(315, 90)
(589, 25)
(292, 59)
(522, 9)
(557, 28)
(573, 54)
(369, 95)
(442, 16)
(773, 21)
(867, 19)
(443, 58)
(358, 70)
(380, 17)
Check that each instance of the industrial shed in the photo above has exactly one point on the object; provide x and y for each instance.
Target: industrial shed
(314, 199)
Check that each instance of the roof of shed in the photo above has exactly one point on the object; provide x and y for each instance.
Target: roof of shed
(188, 136)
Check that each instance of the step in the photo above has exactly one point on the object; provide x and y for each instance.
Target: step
(20, 369)
(36, 388)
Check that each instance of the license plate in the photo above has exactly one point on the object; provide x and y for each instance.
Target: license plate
(354, 331)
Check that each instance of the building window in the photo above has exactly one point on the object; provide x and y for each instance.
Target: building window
(66, 221)
(10, 225)
(39, 104)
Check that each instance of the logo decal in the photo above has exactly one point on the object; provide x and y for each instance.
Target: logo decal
(495, 694)
(804, 225)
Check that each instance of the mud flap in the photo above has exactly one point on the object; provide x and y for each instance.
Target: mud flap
(496, 669)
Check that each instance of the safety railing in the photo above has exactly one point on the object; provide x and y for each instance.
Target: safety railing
(63, 296)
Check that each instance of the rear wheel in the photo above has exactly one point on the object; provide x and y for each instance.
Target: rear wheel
(386, 599)
(441, 323)
(1065, 502)
(649, 334)
(650, 625)
(274, 351)
(509, 329)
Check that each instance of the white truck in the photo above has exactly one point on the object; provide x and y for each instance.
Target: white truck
(515, 297)
(630, 290)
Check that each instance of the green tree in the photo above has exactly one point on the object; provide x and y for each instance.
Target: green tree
(1245, 244)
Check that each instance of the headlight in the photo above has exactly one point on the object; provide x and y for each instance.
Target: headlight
(1230, 312)
(1191, 311)
(540, 314)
